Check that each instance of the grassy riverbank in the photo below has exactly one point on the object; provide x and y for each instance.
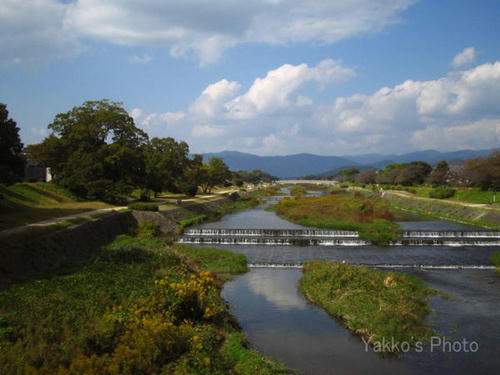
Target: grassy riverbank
(25, 203)
(368, 215)
(376, 305)
(141, 306)
(268, 191)
(478, 216)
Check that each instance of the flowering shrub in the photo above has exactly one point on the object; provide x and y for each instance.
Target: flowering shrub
(161, 332)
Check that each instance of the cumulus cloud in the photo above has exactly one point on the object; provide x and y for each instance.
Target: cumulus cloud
(414, 109)
(273, 92)
(203, 29)
(467, 56)
(273, 116)
(211, 101)
(157, 123)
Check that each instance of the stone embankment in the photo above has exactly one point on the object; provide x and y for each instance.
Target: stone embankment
(486, 216)
(42, 255)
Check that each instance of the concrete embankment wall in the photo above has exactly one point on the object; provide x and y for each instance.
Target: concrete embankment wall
(447, 210)
(46, 254)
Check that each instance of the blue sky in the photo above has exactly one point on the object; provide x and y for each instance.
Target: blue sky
(263, 76)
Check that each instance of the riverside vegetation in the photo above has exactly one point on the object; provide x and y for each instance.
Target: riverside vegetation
(140, 306)
(376, 305)
(369, 215)
(495, 260)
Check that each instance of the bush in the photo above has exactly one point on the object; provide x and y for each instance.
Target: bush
(442, 192)
(141, 206)
(399, 187)
(495, 258)
(298, 191)
(147, 229)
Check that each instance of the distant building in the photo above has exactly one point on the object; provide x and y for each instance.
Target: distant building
(35, 172)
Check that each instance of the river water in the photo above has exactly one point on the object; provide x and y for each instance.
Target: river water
(281, 323)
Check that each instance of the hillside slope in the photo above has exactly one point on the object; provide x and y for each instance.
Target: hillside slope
(25, 203)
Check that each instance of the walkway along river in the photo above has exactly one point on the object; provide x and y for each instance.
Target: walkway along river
(279, 322)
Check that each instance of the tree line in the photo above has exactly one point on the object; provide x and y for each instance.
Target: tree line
(482, 172)
(96, 151)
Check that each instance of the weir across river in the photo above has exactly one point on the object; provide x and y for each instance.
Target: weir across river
(324, 237)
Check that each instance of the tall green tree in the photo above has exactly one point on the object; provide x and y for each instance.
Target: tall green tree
(165, 161)
(12, 161)
(96, 151)
(216, 172)
(192, 176)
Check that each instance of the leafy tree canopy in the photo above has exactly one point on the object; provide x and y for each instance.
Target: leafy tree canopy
(95, 150)
(216, 172)
(12, 161)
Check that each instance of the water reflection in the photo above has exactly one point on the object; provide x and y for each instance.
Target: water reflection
(280, 323)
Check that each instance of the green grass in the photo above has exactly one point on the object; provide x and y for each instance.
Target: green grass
(370, 216)
(25, 203)
(376, 305)
(298, 191)
(495, 260)
(268, 191)
(250, 362)
(192, 220)
(475, 196)
(141, 306)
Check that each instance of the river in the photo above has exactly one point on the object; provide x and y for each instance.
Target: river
(279, 322)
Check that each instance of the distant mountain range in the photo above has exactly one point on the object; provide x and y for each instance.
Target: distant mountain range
(297, 165)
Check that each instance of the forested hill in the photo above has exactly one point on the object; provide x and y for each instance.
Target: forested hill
(281, 166)
(309, 164)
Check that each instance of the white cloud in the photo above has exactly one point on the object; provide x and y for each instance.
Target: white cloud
(33, 32)
(273, 116)
(211, 101)
(272, 93)
(32, 29)
(136, 114)
(145, 59)
(480, 134)
(467, 56)
(455, 103)
(303, 101)
(158, 121)
(206, 131)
